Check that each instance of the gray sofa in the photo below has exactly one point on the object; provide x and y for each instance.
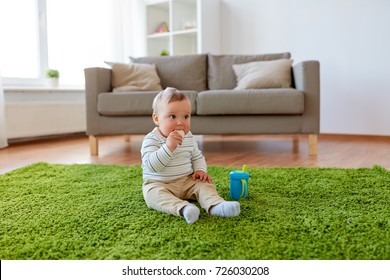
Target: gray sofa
(217, 107)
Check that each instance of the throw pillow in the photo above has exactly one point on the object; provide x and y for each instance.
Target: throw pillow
(184, 72)
(220, 71)
(134, 77)
(263, 74)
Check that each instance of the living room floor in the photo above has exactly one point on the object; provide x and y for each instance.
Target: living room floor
(348, 151)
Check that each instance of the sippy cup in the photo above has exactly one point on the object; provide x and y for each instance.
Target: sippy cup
(239, 183)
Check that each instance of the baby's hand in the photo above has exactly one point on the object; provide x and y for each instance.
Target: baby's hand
(173, 140)
(201, 175)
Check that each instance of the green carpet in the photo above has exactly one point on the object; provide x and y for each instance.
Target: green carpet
(97, 212)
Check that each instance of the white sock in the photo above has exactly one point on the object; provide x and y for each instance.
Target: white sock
(191, 213)
(226, 209)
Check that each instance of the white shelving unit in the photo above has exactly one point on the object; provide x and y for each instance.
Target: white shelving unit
(193, 26)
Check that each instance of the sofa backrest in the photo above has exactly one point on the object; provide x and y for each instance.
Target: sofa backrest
(184, 72)
(200, 72)
(220, 74)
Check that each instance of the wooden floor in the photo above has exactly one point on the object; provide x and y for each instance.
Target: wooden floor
(254, 151)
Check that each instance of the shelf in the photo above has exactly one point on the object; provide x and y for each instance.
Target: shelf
(193, 26)
(166, 34)
(158, 35)
(184, 31)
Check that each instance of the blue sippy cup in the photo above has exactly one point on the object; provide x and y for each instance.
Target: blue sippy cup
(239, 183)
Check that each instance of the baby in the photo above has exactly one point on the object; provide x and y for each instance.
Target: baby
(174, 169)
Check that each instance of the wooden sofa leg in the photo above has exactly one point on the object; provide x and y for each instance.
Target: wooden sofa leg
(295, 144)
(313, 144)
(93, 145)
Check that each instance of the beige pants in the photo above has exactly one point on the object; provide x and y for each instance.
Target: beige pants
(170, 197)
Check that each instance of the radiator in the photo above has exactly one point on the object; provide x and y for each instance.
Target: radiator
(32, 119)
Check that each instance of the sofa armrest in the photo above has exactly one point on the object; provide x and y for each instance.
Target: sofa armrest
(307, 79)
(97, 80)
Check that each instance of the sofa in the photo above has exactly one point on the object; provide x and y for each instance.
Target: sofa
(230, 94)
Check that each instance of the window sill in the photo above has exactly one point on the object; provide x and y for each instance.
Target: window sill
(32, 89)
(31, 94)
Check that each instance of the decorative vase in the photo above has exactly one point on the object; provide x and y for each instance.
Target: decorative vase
(52, 82)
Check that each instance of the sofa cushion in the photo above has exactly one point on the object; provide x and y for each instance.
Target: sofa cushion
(133, 103)
(287, 101)
(134, 77)
(220, 67)
(184, 72)
(263, 74)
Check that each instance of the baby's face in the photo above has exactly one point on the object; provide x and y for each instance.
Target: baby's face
(173, 116)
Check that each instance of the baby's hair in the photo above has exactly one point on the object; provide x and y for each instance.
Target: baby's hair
(170, 94)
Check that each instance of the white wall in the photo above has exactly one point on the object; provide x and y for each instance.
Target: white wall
(350, 38)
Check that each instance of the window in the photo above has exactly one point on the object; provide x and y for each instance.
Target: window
(67, 35)
(78, 37)
(20, 56)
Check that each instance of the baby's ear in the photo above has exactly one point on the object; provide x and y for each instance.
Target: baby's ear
(155, 118)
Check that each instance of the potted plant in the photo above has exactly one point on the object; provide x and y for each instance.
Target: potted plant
(52, 76)
(164, 53)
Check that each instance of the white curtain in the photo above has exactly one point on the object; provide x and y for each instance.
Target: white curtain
(3, 130)
(127, 29)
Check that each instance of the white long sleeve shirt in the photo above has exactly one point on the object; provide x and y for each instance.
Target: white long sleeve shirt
(159, 163)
